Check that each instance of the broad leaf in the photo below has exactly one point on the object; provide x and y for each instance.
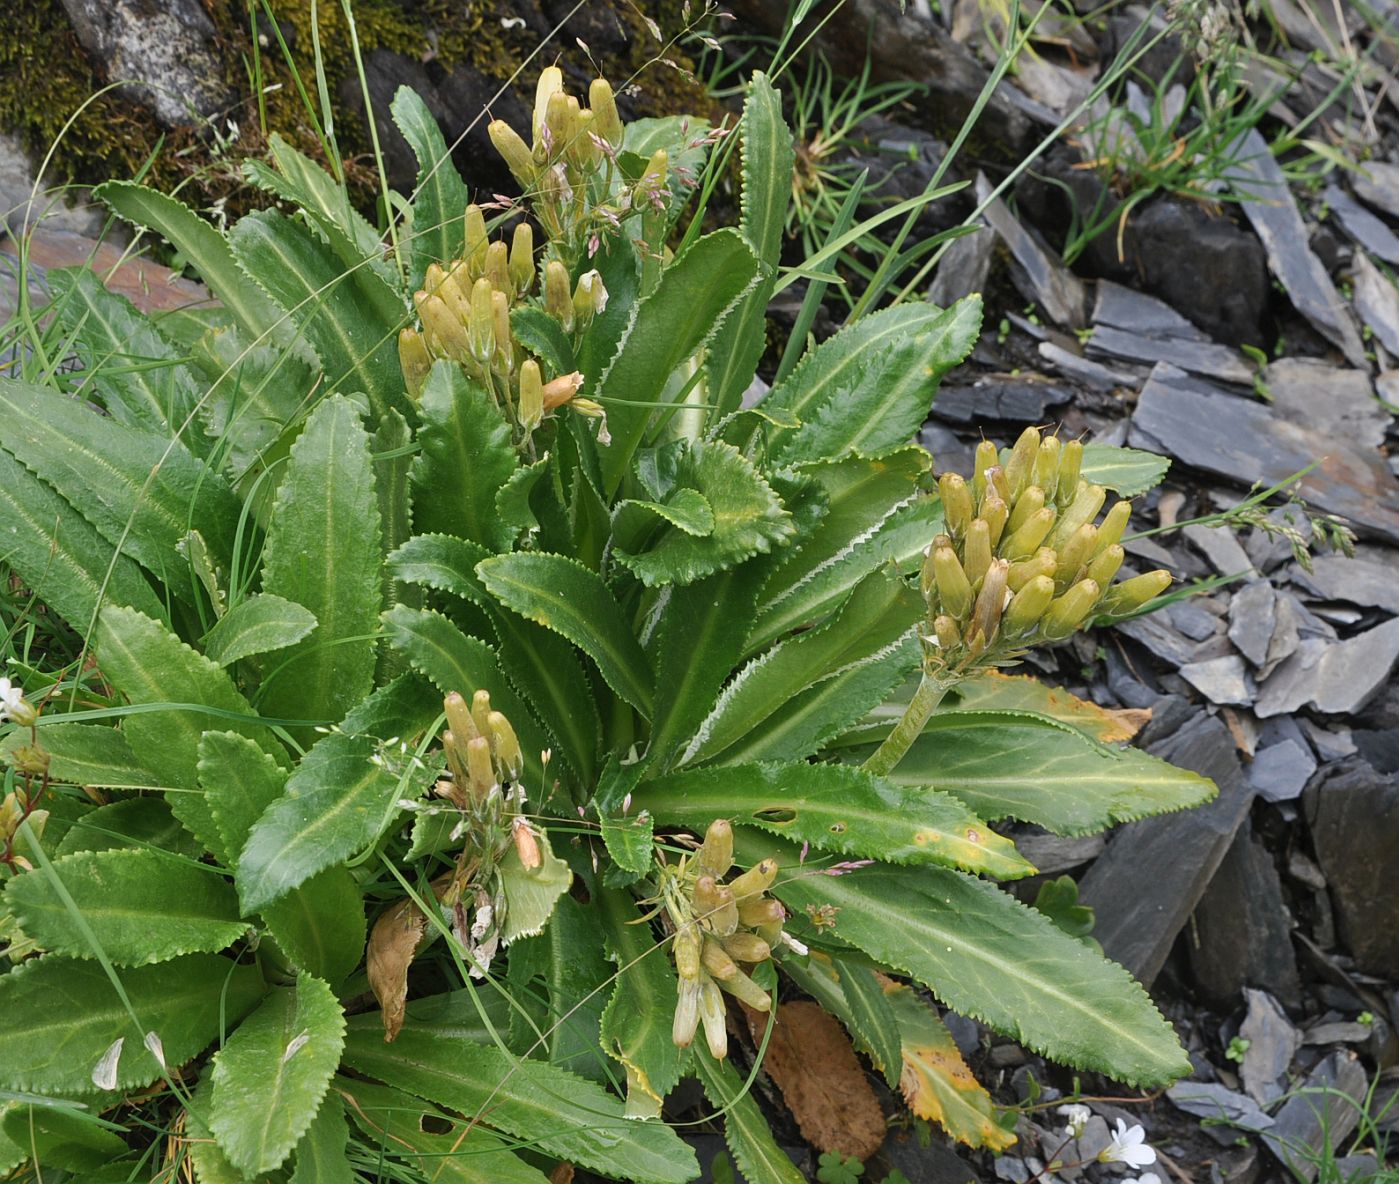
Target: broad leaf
(988, 956)
(695, 293)
(442, 561)
(563, 595)
(136, 906)
(558, 1112)
(835, 808)
(1126, 471)
(531, 894)
(746, 1128)
(323, 552)
(257, 625)
(336, 803)
(1006, 765)
(543, 336)
(439, 196)
(466, 457)
(320, 1156)
(870, 386)
(853, 993)
(128, 824)
(86, 754)
(636, 1027)
(59, 1137)
(993, 691)
(60, 556)
(73, 1015)
(270, 1076)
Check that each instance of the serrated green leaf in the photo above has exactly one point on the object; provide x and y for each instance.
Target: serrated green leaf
(617, 264)
(336, 803)
(544, 337)
(150, 665)
(257, 625)
(137, 823)
(834, 808)
(687, 509)
(439, 195)
(393, 448)
(749, 518)
(406, 1128)
(1126, 471)
(72, 1016)
(320, 1156)
(870, 386)
(531, 894)
(11, 1155)
(444, 562)
(323, 552)
(209, 253)
(851, 992)
(636, 1026)
(695, 293)
(141, 491)
(563, 595)
(320, 925)
(350, 317)
(746, 1128)
(466, 457)
(141, 906)
(59, 1137)
(512, 500)
(138, 375)
(1007, 766)
(211, 1166)
(558, 1112)
(86, 754)
(990, 957)
(60, 556)
(879, 615)
(271, 1074)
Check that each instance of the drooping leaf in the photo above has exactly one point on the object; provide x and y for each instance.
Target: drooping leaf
(1126, 471)
(835, 808)
(336, 803)
(139, 376)
(636, 1026)
(1007, 766)
(141, 491)
(990, 957)
(558, 1112)
(257, 625)
(695, 293)
(512, 500)
(746, 1128)
(563, 595)
(140, 906)
(439, 194)
(323, 552)
(466, 456)
(72, 1016)
(350, 316)
(272, 1073)
(320, 1156)
(935, 1080)
(870, 386)
(60, 556)
(87, 754)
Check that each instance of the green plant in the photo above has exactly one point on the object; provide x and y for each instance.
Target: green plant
(1238, 1046)
(516, 638)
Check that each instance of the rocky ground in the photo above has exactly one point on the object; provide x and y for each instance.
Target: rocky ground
(1266, 924)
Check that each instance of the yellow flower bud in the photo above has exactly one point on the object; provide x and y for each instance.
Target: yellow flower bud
(481, 711)
(559, 119)
(757, 879)
(448, 333)
(521, 264)
(514, 152)
(1044, 562)
(1029, 502)
(990, 602)
(956, 503)
(500, 328)
(606, 122)
(994, 511)
(1114, 525)
(1046, 474)
(413, 360)
(481, 331)
(712, 1014)
(686, 1023)
(479, 769)
(976, 550)
(1070, 462)
(459, 716)
(650, 189)
(1027, 607)
(550, 83)
(687, 951)
(558, 303)
(1103, 566)
(477, 239)
(754, 911)
(1024, 542)
(589, 298)
(1069, 611)
(946, 632)
(506, 744)
(985, 456)
(1130, 595)
(1020, 468)
(1087, 501)
(1075, 553)
(497, 269)
(746, 947)
(954, 589)
(716, 853)
(531, 395)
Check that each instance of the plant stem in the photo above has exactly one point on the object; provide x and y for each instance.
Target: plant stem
(925, 701)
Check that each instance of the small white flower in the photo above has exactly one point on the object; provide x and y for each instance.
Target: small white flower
(11, 700)
(1144, 1178)
(1078, 1116)
(1128, 1146)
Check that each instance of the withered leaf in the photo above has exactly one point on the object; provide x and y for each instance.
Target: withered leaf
(993, 691)
(811, 1060)
(393, 942)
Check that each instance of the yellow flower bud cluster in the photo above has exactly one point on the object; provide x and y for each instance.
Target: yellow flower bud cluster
(1023, 558)
(719, 927)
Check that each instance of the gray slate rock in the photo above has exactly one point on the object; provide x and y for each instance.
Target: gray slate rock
(1136, 312)
(1160, 639)
(1311, 1121)
(1207, 358)
(1209, 1099)
(1353, 814)
(1272, 1043)
(1038, 273)
(1245, 442)
(1376, 301)
(1018, 400)
(1377, 182)
(1267, 202)
(1094, 374)
(1143, 892)
(1361, 225)
(1370, 580)
(21, 206)
(1220, 680)
(1221, 547)
(963, 268)
(1252, 618)
(1330, 400)
(1334, 677)
(1280, 772)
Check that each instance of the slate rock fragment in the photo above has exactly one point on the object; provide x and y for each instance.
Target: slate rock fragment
(1320, 1116)
(1272, 1043)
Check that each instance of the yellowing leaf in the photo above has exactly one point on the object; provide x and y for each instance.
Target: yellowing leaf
(936, 1082)
(993, 691)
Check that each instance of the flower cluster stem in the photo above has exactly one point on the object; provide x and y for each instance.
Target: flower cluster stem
(925, 701)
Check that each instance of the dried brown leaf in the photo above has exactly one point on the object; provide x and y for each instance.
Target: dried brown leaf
(811, 1060)
(393, 942)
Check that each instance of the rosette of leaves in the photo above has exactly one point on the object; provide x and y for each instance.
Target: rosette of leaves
(280, 562)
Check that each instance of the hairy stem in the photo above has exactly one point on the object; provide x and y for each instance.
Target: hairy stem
(925, 701)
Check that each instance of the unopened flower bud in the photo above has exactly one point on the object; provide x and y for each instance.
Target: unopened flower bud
(956, 503)
(1046, 474)
(746, 947)
(1020, 468)
(479, 769)
(29, 760)
(716, 962)
(497, 268)
(996, 486)
(686, 1023)
(481, 711)
(954, 589)
(1070, 462)
(985, 456)
(1075, 553)
(1025, 541)
(506, 744)
(651, 187)
(757, 879)
(606, 122)
(589, 298)
(712, 1014)
(513, 151)
(1103, 566)
(1027, 607)
(442, 327)
(559, 391)
(550, 83)
(1070, 610)
(558, 302)
(995, 513)
(1044, 562)
(500, 330)
(531, 395)
(526, 844)
(976, 550)
(946, 631)
(744, 989)
(477, 240)
(481, 330)
(455, 752)
(414, 361)
(990, 601)
(1130, 595)
(755, 911)
(687, 951)
(559, 114)
(459, 716)
(1114, 525)
(1030, 501)
(1087, 501)
(521, 265)
(716, 853)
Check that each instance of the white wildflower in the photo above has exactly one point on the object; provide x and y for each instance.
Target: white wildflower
(12, 704)
(1144, 1178)
(1128, 1146)
(1078, 1116)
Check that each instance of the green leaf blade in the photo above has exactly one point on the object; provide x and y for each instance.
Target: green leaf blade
(257, 625)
